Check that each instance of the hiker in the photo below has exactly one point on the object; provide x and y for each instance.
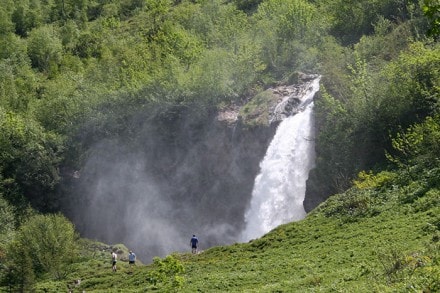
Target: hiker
(114, 258)
(193, 242)
(131, 258)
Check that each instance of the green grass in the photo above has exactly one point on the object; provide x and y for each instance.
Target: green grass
(365, 240)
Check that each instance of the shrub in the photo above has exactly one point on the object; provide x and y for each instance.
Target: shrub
(167, 276)
(46, 243)
(369, 180)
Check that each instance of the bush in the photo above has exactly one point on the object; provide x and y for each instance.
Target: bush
(353, 205)
(44, 244)
(369, 180)
(167, 274)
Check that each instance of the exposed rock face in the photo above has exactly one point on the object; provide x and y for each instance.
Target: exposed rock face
(229, 115)
(315, 193)
(290, 98)
(185, 174)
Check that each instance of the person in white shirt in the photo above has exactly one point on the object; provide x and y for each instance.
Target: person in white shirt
(114, 259)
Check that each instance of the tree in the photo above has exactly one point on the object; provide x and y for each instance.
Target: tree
(292, 19)
(352, 19)
(49, 241)
(418, 145)
(27, 15)
(18, 272)
(247, 5)
(6, 25)
(288, 32)
(431, 9)
(7, 228)
(336, 162)
(45, 49)
(7, 222)
(412, 82)
(29, 159)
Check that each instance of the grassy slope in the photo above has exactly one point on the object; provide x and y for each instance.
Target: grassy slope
(317, 254)
(379, 244)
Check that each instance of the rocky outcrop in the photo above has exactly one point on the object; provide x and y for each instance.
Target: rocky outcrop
(270, 106)
(290, 98)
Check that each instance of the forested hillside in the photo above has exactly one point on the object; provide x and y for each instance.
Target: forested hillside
(75, 73)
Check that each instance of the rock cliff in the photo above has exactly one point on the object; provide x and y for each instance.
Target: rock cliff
(182, 173)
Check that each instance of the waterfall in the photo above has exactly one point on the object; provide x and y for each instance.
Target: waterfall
(279, 188)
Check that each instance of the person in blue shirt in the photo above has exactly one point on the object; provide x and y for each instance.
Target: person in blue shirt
(194, 242)
(131, 260)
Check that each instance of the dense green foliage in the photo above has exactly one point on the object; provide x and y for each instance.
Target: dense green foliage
(45, 244)
(403, 92)
(431, 8)
(75, 72)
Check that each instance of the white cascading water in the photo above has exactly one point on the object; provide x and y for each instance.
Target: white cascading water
(279, 189)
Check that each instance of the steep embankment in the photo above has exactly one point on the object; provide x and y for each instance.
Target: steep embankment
(380, 238)
(362, 241)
